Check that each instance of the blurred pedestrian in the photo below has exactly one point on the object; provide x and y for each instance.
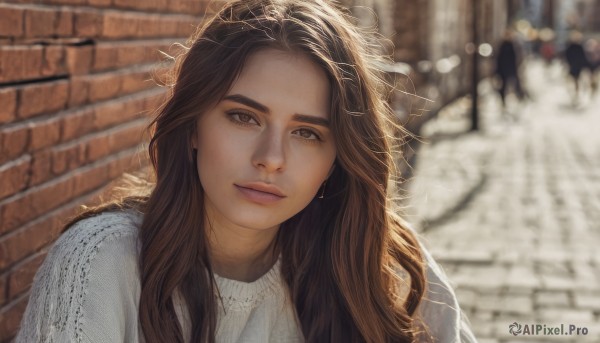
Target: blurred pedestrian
(592, 52)
(507, 67)
(547, 47)
(577, 60)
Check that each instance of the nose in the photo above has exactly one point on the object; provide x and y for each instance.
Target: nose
(269, 154)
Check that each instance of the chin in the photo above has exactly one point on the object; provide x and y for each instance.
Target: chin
(258, 224)
(259, 218)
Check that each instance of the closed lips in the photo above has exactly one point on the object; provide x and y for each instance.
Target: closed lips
(263, 188)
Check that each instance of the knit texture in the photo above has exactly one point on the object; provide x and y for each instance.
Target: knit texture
(88, 290)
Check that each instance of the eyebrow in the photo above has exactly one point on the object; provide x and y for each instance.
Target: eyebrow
(305, 118)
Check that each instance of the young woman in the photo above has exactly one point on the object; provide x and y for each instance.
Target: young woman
(270, 217)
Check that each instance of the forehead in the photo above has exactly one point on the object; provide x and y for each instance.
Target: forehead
(285, 82)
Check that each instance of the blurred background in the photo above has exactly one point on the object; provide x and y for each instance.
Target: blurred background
(501, 177)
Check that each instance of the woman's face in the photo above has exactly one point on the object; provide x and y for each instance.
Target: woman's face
(265, 149)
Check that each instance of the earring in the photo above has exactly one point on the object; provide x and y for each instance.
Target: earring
(323, 190)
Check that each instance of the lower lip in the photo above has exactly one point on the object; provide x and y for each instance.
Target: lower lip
(258, 196)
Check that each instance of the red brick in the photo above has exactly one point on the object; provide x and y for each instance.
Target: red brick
(105, 56)
(10, 318)
(44, 133)
(99, 3)
(43, 98)
(13, 142)
(19, 63)
(68, 158)
(207, 7)
(135, 108)
(34, 203)
(121, 110)
(65, 2)
(23, 242)
(178, 6)
(135, 82)
(152, 26)
(115, 140)
(87, 23)
(162, 47)
(90, 179)
(120, 25)
(79, 91)
(8, 99)
(153, 53)
(126, 162)
(64, 23)
(168, 27)
(132, 54)
(63, 215)
(104, 86)
(13, 214)
(41, 167)
(79, 59)
(98, 147)
(54, 62)
(139, 108)
(127, 4)
(128, 136)
(194, 7)
(164, 6)
(11, 24)
(40, 22)
(109, 114)
(186, 27)
(77, 124)
(3, 289)
(118, 54)
(21, 277)
(160, 5)
(140, 5)
(14, 176)
(155, 101)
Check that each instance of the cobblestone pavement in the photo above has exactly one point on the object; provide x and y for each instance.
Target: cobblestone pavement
(513, 212)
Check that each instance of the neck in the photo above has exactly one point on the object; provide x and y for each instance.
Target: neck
(239, 253)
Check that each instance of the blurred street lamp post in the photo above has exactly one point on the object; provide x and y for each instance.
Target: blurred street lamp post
(475, 70)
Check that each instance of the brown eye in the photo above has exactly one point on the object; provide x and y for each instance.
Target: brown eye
(307, 134)
(242, 118)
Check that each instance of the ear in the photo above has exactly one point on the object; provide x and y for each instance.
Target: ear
(193, 141)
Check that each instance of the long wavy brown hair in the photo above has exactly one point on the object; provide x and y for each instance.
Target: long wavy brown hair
(343, 256)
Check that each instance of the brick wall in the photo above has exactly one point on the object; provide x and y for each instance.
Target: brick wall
(75, 91)
(432, 32)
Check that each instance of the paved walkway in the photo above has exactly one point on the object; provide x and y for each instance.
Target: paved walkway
(513, 212)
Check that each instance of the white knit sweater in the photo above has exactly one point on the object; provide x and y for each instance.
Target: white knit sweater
(88, 290)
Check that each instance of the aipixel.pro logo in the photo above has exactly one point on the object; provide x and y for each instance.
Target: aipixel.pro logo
(546, 330)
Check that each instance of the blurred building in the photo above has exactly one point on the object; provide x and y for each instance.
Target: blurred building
(559, 16)
(432, 37)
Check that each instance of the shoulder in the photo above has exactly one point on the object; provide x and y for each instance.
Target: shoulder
(89, 274)
(97, 229)
(109, 238)
(439, 309)
(439, 312)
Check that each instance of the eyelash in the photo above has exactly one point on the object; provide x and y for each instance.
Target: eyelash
(232, 116)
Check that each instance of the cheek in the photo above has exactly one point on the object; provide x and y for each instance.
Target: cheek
(310, 168)
(216, 154)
